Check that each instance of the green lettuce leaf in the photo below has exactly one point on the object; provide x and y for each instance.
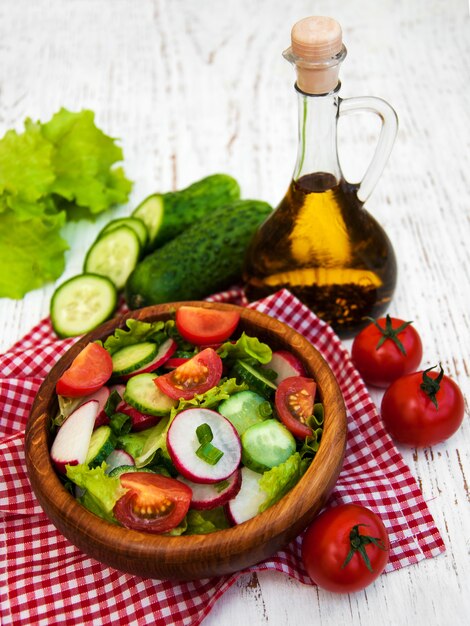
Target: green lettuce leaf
(31, 253)
(82, 159)
(205, 522)
(155, 440)
(48, 173)
(280, 479)
(90, 502)
(103, 490)
(136, 332)
(25, 164)
(211, 398)
(246, 348)
(133, 443)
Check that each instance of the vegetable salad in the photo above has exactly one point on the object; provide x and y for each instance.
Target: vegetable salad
(184, 426)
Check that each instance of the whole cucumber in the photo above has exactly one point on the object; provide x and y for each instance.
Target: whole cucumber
(166, 215)
(206, 257)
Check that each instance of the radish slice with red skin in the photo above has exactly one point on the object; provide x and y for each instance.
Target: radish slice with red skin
(213, 495)
(174, 362)
(102, 419)
(119, 387)
(165, 351)
(140, 421)
(182, 443)
(249, 498)
(285, 364)
(72, 441)
(118, 458)
(101, 396)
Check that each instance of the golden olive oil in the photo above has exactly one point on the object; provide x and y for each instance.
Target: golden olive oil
(322, 245)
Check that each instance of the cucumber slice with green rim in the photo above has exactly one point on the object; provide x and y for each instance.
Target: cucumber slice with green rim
(150, 211)
(135, 223)
(143, 394)
(102, 443)
(266, 445)
(131, 358)
(81, 304)
(114, 255)
(244, 409)
(254, 379)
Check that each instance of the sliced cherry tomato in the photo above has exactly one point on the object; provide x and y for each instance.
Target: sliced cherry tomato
(205, 326)
(199, 374)
(153, 503)
(294, 403)
(385, 350)
(89, 371)
(345, 548)
(423, 408)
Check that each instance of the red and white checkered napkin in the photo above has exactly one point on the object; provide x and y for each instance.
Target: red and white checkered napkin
(45, 580)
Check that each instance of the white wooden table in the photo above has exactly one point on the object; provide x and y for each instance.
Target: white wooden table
(192, 88)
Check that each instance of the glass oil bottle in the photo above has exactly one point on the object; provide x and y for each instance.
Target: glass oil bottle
(320, 242)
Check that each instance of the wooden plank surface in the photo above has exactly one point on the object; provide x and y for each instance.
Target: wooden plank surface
(192, 88)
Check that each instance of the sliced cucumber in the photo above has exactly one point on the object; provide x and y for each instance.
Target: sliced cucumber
(144, 395)
(81, 304)
(133, 357)
(244, 409)
(102, 443)
(114, 255)
(150, 211)
(266, 445)
(135, 223)
(254, 379)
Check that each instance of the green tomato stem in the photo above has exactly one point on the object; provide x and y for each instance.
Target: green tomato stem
(390, 333)
(431, 386)
(358, 544)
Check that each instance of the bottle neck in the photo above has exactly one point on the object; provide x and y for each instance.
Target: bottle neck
(317, 150)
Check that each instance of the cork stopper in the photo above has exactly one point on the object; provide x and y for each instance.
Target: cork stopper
(317, 51)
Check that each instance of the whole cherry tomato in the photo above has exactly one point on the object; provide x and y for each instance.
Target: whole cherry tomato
(345, 548)
(423, 408)
(385, 350)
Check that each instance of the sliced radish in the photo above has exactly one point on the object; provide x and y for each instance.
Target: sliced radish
(249, 498)
(174, 362)
(285, 364)
(139, 420)
(165, 351)
(118, 458)
(102, 396)
(209, 496)
(182, 443)
(119, 387)
(71, 444)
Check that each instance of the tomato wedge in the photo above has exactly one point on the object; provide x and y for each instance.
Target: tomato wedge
(153, 503)
(89, 371)
(199, 374)
(294, 403)
(205, 326)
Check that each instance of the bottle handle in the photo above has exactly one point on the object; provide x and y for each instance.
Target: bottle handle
(385, 142)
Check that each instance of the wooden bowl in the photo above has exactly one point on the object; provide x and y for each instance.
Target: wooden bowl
(196, 556)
